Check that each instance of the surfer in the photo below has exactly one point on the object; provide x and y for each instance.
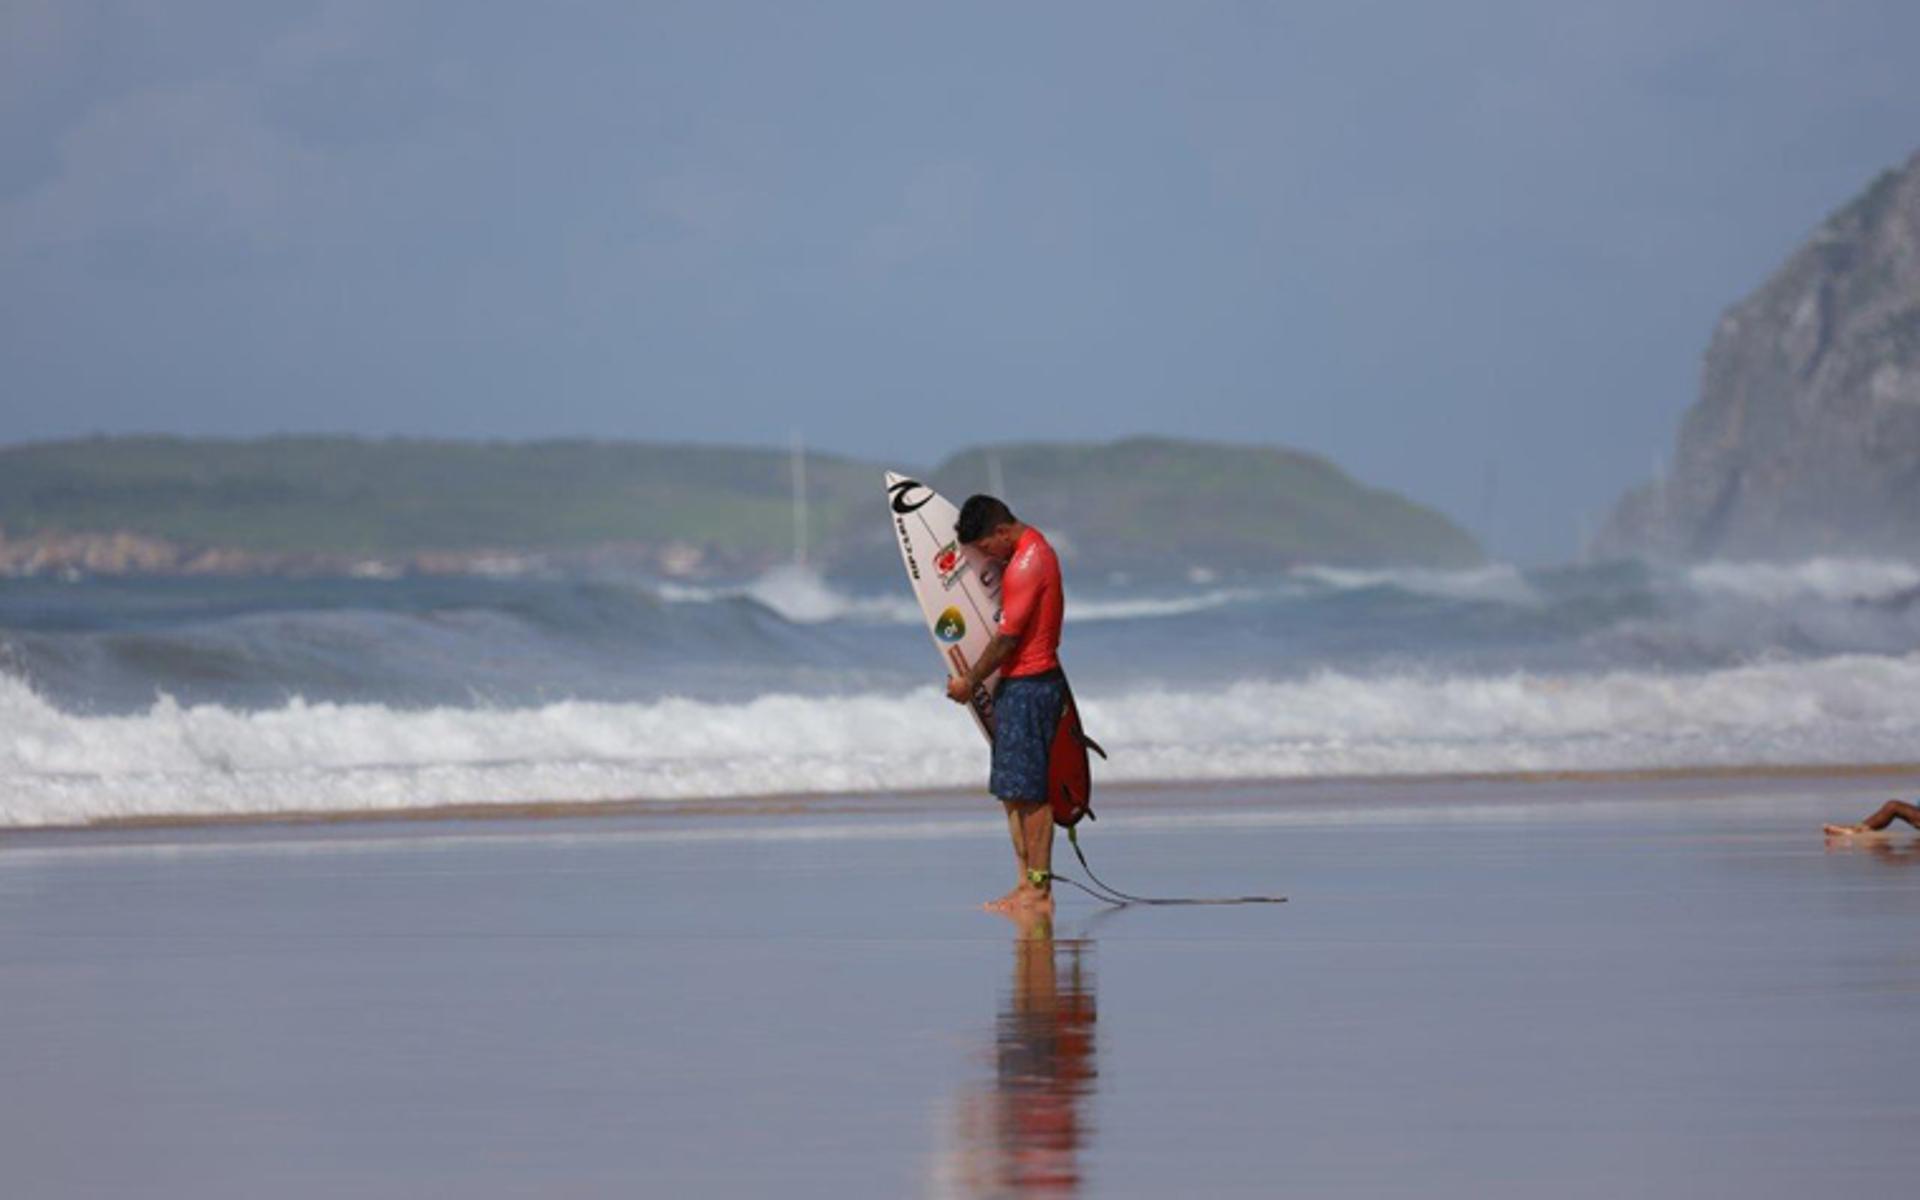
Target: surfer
(1032, 694)
(1877, 823)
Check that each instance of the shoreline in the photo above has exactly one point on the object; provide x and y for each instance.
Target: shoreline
(1109, 795)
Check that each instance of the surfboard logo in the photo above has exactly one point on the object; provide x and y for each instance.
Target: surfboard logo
(901, 504)
(950, 565)
(951, 626)
(906, 549)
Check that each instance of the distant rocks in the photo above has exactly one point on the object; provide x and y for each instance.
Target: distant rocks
(123, 553)
(1806, 437)
(118, 553)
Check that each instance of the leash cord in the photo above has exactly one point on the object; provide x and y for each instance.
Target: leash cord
(1120, 899)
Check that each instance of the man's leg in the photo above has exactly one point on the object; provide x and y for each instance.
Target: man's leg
(1884, 816)
(1017, 830)
(1032, 828)
(1036, 821)
(1019, 835)
(1891, 810)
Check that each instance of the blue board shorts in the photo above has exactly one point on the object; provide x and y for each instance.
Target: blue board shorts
(1026, 713)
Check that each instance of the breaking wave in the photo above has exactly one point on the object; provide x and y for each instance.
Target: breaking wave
(1840, 579)
(1496, 583)
(804, 597)
(59, 768)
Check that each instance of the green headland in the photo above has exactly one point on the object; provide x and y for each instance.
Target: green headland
(326, 503)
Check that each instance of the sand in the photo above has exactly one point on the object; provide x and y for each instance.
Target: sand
(1592, 987)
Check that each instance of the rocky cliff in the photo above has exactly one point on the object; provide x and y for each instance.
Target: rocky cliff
(1806, 436)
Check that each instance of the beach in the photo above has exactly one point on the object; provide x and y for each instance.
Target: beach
(1601, 986)
(531, 539)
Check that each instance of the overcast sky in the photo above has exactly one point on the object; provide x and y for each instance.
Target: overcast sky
(1470, 251)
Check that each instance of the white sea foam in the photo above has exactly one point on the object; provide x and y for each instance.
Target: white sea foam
(802, 595)
(1496, 583)
(60, 768)
(1148, 607)
(1821, 578)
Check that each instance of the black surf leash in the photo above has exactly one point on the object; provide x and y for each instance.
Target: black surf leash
(1119, 899)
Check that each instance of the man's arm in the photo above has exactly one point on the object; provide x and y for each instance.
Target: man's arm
(961, 687)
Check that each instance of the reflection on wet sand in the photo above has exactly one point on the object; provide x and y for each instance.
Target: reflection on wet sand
(1022, 1134)
(1893, 851)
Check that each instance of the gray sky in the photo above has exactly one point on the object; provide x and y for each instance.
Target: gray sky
(1471, 251)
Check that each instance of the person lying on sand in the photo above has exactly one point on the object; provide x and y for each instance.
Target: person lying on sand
(1878, 822)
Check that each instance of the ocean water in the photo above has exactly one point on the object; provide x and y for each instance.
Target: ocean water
(155, 697)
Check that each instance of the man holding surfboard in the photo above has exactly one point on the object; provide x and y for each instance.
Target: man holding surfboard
(1033, 691)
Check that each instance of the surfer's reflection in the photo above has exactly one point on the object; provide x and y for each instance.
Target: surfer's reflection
(1022, 1135)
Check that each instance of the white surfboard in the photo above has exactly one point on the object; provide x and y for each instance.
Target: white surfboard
(958, 588)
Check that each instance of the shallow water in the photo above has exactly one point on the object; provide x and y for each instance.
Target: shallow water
(1598, 989)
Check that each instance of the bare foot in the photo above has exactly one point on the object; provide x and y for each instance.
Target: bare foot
(1853, 831)
(1029, 900)
(1013, 900)
(1024, 899)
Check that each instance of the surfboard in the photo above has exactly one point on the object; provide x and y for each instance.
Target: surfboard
(958, 589)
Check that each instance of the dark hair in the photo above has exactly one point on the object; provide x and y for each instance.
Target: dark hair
(980, 516)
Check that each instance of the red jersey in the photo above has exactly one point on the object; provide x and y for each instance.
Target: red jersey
(1031, 606)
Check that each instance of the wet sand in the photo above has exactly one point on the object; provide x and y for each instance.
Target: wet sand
(1590, 987)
